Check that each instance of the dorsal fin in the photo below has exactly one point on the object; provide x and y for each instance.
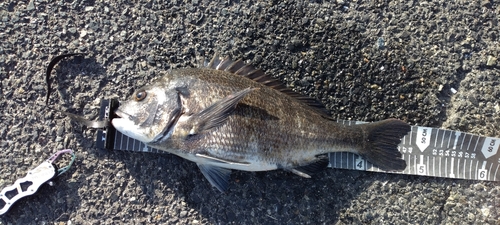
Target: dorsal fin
(257, 75)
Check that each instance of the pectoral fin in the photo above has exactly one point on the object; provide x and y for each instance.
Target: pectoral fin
(217, 113)
(217, 176)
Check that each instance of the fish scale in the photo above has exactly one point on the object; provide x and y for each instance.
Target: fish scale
(259, 100)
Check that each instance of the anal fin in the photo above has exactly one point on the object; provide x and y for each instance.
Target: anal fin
(306, 171)
(217, 176)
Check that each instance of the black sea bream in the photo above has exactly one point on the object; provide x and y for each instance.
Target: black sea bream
(229, 115)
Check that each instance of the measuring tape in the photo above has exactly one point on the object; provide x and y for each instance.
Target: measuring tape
(427, 151)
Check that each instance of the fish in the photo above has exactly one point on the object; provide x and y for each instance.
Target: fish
(228, 115)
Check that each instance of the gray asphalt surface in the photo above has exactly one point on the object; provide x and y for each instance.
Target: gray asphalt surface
(365, 60)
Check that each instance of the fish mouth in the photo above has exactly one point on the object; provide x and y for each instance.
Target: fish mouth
(123, 122)
(127, 126)
(119, 116)
(125, 116)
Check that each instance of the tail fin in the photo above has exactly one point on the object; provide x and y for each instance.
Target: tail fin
(381, 141)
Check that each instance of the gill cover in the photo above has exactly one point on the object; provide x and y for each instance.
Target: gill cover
(150, 114)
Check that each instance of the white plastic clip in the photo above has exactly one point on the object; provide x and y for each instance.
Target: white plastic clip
(27, 185)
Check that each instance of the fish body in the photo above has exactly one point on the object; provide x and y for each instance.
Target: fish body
(229, 115)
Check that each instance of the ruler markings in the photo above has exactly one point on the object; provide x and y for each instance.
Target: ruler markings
(342, 159)
(353, 161)
(416, 164)
(122, 142)
(475, 176)
(495, 177)
(130, 142)
(127, 140)
(115, 141)
(463, 140)
(449, 140)
(489, 171)
(457, 139)
(459, 173)
(441, 138)
(442, 141)
(440, 167)
(470, 141)
(350, 161)
(427, 162)
(415, 167)
(334, 160)
(347, 159)
(435, 139)
(471, 174)
(446, 168)
(135, 145)
(410, 136)
(452, 174)
(475, 147)
(463, 169)
(434, 166)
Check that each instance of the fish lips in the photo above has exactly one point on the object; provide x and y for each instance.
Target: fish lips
(126, 125)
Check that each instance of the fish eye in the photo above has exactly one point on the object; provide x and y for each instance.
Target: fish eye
(140, 95)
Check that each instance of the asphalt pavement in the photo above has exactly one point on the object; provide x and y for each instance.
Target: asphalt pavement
(430, 63)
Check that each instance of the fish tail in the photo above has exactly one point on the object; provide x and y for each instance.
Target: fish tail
(381, 140)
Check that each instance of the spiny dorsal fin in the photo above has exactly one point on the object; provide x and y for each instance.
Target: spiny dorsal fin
(257, 75)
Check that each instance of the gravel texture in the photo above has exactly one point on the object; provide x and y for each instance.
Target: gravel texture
(365, 60)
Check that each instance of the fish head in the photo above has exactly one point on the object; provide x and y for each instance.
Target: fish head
(150, 114)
